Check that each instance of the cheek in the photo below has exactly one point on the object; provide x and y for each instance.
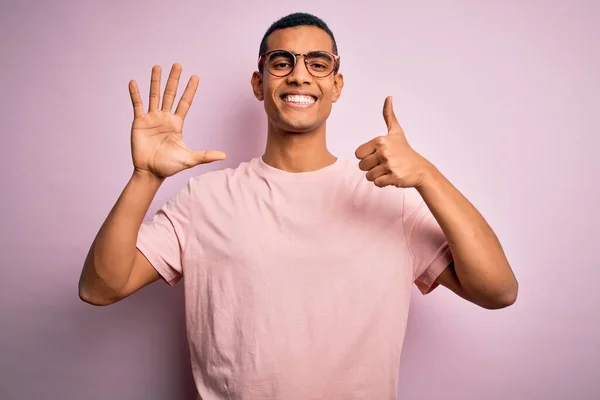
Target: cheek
(327, 95)
(269, 100)
(268, 97)
(328, 91)
(269, 88)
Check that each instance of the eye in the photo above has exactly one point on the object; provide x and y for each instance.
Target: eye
(319, 61)
(282, 65)
(318, 66)
(280, 60)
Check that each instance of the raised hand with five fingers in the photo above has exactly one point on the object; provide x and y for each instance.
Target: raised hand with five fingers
(157, 135)
(389, 160)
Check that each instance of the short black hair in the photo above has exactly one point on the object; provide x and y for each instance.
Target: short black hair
(293, 20)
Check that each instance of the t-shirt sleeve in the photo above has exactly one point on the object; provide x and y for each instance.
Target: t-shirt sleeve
(162, 240)
(426, 242)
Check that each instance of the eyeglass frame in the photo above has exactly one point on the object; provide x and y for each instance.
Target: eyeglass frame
(334, 70)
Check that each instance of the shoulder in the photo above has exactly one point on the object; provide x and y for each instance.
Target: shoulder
(219, 186)
(222, 176)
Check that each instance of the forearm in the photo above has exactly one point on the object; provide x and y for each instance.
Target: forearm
(110, 259)
(479, 261)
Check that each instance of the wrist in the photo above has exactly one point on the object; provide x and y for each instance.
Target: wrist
(429, 176)
(146, 178)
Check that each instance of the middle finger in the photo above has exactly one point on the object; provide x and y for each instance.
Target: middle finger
(171, 87)
(369, 162)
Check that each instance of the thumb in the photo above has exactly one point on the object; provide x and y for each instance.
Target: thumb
(206, 156)
(390, 117)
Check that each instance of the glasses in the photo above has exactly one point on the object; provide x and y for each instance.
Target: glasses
(280, 63)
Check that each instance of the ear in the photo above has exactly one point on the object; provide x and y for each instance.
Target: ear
(338, 85)
(257, 86)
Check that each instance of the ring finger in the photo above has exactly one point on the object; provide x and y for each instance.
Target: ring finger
(154, 88)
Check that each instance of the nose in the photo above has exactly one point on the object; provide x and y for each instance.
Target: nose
(299, 74)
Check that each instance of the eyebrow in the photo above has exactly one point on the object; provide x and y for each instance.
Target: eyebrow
(279, 51)
(295, 52)
(321, 54)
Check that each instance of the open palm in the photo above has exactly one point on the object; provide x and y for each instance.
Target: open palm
(157, 135)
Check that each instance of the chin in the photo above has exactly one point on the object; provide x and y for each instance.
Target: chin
(297, 126)
(285, 122)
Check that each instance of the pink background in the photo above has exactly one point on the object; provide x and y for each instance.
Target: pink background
(503, 96)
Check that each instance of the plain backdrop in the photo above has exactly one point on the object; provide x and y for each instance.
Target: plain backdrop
(503, 96)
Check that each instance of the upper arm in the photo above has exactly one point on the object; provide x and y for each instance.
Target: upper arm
(142, 274)
(449, 279)
(94, 290)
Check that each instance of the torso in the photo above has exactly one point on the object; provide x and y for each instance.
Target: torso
(296, 288)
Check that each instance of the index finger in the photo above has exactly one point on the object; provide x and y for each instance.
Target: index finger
(365, 150)
(188, 95)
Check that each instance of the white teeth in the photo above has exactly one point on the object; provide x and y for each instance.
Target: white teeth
(299, 99)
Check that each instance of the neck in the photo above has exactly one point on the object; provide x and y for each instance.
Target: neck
(297, 152)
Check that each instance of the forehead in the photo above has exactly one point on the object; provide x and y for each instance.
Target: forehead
(300, 39)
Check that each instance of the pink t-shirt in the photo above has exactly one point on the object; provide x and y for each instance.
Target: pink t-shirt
(297, 285)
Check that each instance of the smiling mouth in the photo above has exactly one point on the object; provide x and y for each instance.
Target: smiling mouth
(298, 100)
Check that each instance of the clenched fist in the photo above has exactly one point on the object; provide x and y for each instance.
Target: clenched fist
(389, 159)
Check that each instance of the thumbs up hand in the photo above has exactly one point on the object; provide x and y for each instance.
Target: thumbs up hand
(389, 160)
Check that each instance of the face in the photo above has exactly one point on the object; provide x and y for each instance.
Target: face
(287, 107)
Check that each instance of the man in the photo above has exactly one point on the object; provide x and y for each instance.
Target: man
(297, 266)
